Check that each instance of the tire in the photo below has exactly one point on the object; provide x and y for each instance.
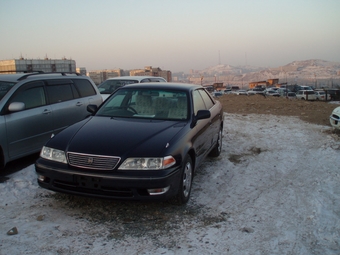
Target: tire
(184, 190)
(216, 151)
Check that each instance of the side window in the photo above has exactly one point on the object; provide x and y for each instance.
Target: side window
(32, 95)
(59, 93)
(84, 87)
(206, 98)
(145, 80)
(198, 102)
(156, 80)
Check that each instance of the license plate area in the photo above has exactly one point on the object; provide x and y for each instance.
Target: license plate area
(88, 182)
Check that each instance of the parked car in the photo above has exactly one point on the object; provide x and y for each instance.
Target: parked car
(306, 95)
(321, 95)
(335, 118)
(143, 143)
(272, 93)
(217, 93)
(291, 95)
(35, 106)
(240, 92)
(255, 91)
(283, 92)
(299, 87)
(110, 85)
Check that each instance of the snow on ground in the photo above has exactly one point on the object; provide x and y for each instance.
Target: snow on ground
(274, 190)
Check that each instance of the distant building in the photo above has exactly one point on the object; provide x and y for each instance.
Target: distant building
(101, 75)
(268, 83)
(33, 65)
(150, 71)
(81, 70)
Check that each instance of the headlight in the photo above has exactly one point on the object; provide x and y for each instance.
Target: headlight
(147, 163)
(53, 154)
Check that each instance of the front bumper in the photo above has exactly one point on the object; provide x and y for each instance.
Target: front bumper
(127, 185)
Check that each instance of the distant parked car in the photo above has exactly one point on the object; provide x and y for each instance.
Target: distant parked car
(306, 95)
(217, 93)
(255, 91)
(283, 92)
(304, 88)
(335, 118)
(321, 95)
(240, 92)
(291, 95)
(35, 106)
(110, 85)
(143, 143)
(272, 93)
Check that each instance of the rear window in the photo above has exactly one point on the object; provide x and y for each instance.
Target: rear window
(84, 88)
(109, 86)
(310, 92)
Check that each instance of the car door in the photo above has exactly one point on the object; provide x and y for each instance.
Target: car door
(67, 106)
(215, 117)
(203, 135)
(30, 128)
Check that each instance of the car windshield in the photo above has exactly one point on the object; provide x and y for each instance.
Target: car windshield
(5, 86)
(146, 103)
(109, 86)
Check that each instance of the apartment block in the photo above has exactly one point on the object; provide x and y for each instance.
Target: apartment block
(34, 65)
(150, 71)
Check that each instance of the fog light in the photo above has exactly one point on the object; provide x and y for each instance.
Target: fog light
(41, 178)
(159, 191)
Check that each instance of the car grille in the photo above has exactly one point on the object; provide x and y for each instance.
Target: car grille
(89, 161)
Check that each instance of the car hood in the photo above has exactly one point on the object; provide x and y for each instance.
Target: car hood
(336, 111)
(119, 137)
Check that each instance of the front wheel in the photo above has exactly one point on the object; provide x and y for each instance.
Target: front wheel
(184, 190)
(216, 151)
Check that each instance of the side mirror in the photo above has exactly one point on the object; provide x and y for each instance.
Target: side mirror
(92, 108)
(16, 107)
(201, 114)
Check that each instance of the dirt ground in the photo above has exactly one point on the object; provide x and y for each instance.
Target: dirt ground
(316, 112)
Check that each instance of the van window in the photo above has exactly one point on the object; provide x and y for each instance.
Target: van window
(33, 97)
(84, 87)
(59, 93)
(31, 94)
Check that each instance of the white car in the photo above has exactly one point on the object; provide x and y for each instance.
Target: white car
(240, 92)
(306, 95)
(321, 95)
(273, 93)
(335, 118)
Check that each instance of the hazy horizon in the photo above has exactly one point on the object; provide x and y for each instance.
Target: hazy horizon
(173, 35)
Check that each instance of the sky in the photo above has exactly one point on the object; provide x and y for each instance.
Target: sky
(176, 35)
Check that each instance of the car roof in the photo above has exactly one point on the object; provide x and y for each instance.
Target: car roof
(164, 85)
(23, 76)
(139, 78)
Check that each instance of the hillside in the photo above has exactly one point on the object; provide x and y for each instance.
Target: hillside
(314, 72)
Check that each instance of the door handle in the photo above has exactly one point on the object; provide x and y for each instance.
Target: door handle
(46, 111)
(79, 104)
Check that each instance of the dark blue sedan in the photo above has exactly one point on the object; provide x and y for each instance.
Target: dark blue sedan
(143, 143)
